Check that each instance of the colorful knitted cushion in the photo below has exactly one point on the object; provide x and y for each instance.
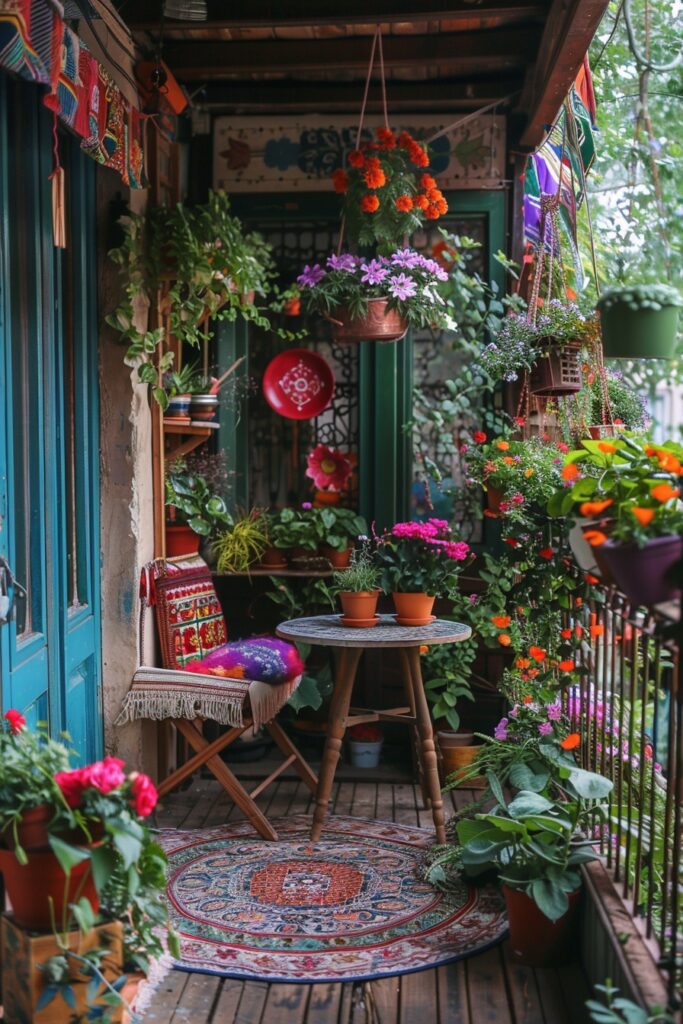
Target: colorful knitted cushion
(189, 616)
(264, 659)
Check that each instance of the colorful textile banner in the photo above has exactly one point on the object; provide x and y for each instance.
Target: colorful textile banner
(36, 45)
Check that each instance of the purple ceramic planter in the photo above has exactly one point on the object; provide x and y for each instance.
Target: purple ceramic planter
(646, 575)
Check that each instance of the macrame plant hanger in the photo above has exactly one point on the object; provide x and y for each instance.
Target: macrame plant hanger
(375, 49)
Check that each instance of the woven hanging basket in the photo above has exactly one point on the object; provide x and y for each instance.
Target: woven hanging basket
(378, 324)
(558, 371)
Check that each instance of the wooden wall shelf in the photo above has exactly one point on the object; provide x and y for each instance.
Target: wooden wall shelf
(321, 573)
(195, 433)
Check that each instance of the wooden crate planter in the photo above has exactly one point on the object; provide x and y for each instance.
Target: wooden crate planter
(23, 981)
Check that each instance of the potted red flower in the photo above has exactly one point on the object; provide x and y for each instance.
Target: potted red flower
(365, 745)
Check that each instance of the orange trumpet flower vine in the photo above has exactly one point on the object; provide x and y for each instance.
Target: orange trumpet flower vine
(643, 515)
(665, 492)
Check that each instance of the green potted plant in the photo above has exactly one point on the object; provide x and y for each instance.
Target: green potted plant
(300, 532)
(204, 398)
(446, 670)
(78, 853)
(537, 845)
(194, 511)
(339, 528)
(358, 590)
(639, 321)
(243, 544)
(178, 385)
(418, 561)
(633, 488)
(376, 299)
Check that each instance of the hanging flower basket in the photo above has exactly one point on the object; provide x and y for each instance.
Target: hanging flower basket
(647, 575)
(640, 322)
(378, 324)
(558, 371)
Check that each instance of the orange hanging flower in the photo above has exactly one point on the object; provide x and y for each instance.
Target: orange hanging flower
(597, 631)
(523, 662)
(595, 537)
(501, 621)
(504, 639)
(665, 492)
(643, 515)
(340, 180)
(594, 508)
(566, 634)
(668, 462)
(369, 204)
(427, 182)
(571, 742)
(607, 448)
(375, 177)
(570, 472)
(356, 158)
(404, 204)
(567, 665)
(537, 653)
(421, 201)
(417, 155)
(386, 137)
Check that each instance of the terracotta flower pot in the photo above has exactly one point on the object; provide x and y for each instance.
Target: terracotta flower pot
(33, 834)
(337, 559)
(129, 993)
(273, 558)
(181, 540)
(359, 607)
(324, 498)
(535, 939)
(646, 575)
(378, 324)
(558, 372)
(493, 499)
(458, 752)
(413, 609)
(30, 886)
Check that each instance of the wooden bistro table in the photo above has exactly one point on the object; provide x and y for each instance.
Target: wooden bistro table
(327, 631)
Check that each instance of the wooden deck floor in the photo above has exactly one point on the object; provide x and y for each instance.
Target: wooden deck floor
(485, 989)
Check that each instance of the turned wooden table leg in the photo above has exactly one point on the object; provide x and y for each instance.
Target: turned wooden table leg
(415, 739)
(426, 733)
(336, 727)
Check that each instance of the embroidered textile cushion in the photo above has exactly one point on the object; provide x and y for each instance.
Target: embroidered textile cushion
(189, 617)
(265, 659)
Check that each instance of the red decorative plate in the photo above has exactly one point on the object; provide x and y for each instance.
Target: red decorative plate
(298, 384)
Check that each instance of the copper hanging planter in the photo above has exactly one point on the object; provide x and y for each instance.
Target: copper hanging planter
(378, 324)
(558, 371)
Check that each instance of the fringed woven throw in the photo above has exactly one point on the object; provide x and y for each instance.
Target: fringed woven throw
(158, 693)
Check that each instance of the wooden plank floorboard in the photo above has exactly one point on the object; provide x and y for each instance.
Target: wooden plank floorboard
(485, 989)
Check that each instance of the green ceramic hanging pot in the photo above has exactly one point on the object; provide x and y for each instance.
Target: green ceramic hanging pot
(639, 322)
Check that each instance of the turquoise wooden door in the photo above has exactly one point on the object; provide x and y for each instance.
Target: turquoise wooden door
(50, 648)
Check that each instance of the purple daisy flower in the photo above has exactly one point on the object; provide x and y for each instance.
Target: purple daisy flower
(343, 261)
(373, 272)
(402, 287)
(311, 276)
(406, 258)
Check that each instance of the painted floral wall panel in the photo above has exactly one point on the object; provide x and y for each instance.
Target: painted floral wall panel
(295, 153)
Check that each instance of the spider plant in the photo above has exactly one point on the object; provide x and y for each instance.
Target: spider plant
(243, 543)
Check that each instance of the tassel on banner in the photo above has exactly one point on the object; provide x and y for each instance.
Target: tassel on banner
(58, 201)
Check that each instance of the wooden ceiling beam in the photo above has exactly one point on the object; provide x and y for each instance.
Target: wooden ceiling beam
(485, 51)
(568, 32)
(145, 14)
(323, 96)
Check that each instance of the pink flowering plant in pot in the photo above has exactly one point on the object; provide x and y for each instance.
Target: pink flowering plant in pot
(419, 559)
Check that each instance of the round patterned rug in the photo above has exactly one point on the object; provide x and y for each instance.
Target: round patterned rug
(349, 907)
